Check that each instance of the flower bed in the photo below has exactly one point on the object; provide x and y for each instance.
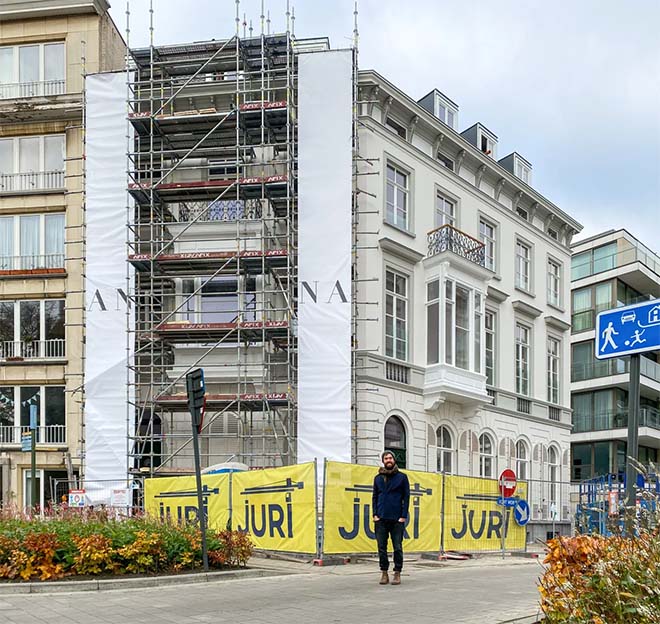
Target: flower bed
(591, 579)
(94, 544)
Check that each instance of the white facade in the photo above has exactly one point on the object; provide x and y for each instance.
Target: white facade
(409, 283)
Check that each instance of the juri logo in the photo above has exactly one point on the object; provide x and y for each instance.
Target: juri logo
(330, 293)
(489, 521)
(271, 517)
(362, 513)
(185, 513)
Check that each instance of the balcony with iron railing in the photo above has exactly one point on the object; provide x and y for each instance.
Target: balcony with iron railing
(217, 210)
(32, 181)
(53, 349)
(48, 434)
(32, 262)
(448, 238)
(42, 88)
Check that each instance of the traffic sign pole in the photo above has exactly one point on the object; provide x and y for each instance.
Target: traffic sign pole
(33, 457)
(507, 484)
(196, 389)
(632, 452)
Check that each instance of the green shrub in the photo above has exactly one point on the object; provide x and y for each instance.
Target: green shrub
(77, 544)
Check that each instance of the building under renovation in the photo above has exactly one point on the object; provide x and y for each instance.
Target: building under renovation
(214, 249)
(351, 270)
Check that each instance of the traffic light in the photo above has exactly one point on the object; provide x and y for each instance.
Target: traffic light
(196, 390)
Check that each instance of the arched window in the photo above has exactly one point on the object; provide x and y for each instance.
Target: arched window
(445, 450)
(395, 439)
(486, 456)
(522, 460)
(553, 477)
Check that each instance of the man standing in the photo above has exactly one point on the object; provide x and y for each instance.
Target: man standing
(391, 496)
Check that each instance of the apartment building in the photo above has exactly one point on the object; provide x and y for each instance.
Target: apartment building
(610, 270)
(464, 367)
(46, 48)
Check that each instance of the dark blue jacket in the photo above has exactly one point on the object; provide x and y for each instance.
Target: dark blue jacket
(391, 496)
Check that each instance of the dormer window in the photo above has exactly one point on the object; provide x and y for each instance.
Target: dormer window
(523, 171)
(447, 115)
(439, 105)
(514, 163)
(487, 146)
(396, 127)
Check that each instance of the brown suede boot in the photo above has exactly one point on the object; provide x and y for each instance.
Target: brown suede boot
(384, 578)
(397, 578)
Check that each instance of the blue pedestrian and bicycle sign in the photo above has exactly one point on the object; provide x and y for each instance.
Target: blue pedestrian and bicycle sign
(628, 330)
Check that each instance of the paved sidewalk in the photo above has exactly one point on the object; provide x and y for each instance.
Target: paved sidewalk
(475, 592)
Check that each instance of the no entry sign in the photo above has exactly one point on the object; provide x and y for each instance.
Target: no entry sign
(508, 483)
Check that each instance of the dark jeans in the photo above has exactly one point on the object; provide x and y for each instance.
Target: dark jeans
(384, 530)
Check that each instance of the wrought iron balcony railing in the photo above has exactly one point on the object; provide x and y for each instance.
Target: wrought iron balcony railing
(37, 350)
(50, 434)
(28, 263)
(448, 238)
(31, 181)
(219, 210)
(43, 88)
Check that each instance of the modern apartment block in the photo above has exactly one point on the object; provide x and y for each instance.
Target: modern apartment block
(46, 48)
(610, 270)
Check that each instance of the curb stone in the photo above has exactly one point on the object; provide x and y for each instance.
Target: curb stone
(135, 583)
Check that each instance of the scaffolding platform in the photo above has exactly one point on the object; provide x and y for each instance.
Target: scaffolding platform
(220, 402)
(211, 262)
(252, 331)
(269, 186)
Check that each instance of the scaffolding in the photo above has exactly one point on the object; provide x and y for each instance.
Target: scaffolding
(212, 239)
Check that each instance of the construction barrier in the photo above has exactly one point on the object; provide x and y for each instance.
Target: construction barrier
(472, 519)
(175, 499)
(348, 525)
(278, 507)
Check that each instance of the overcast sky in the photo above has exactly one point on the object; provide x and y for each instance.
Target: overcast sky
(572, 85)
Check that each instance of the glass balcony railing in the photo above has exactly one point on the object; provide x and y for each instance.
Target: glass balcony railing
(586, 266)
(649, 368)
(448, 238)
(615, 419)
(607, 368)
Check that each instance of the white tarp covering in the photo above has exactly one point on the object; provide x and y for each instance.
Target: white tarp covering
(105, 298)
(324, 255)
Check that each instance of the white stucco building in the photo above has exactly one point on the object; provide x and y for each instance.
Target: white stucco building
(463, 301)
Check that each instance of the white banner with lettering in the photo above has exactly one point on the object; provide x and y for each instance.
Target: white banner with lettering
(106, 457)
(325, 97)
